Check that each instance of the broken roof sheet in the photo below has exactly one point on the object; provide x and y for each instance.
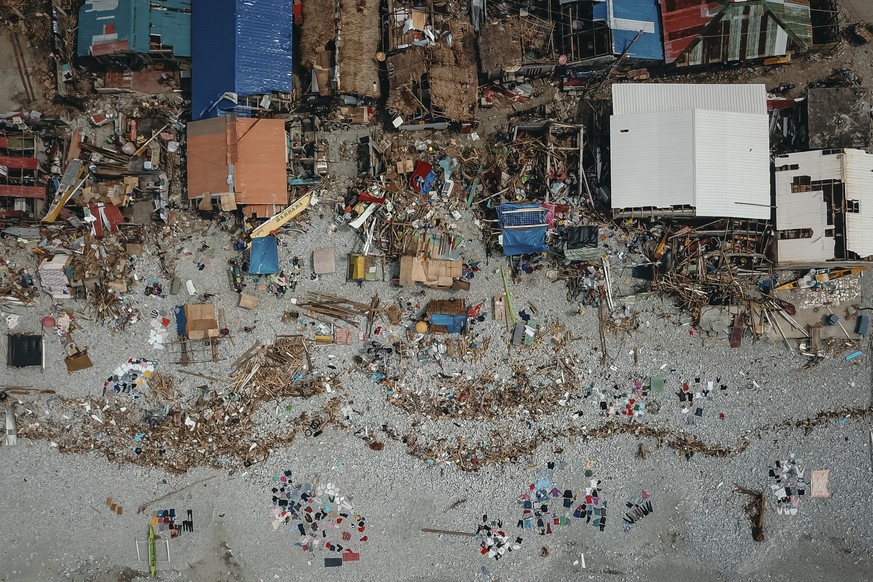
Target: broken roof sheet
(239, 46)
(248, 153)
(699, 31)
(804, 208)
(807, 209)
(117, 26)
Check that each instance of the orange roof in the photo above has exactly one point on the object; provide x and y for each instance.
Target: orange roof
(253, 151)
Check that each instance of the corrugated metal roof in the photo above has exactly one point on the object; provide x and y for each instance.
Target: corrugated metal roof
(714, 161)
(858, 177)
(251, 152)
(652, 160)
(804, 210)
(632, 98)
(698, 32)
(105, 25)
(732, 164)
(626, 18)
(854, 169)
(683, 21)
(239, 46)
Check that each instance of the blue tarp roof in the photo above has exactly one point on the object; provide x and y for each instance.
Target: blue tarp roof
(628, 18)
(239, 46)
(264, 257)
(102, 21)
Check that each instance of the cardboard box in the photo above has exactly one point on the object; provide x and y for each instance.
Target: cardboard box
(431, 272)
(78, 361)
(201, 323)
(323, 262)
(248, 301)
(133, 249)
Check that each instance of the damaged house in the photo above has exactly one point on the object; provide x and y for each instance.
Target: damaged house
(238, 161)
(824, 206)
(596, 32)
(517, 46)
(339, 45)
(21, 192)
(701, 32)
(431, 65)
(128, 32)
(241, 56)
(690, 151)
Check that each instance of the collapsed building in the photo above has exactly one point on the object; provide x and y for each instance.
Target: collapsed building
(824, 206)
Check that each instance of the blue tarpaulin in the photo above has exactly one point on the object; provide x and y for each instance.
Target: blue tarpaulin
(629, 17)
(521, 241)
(453, 323)
(242, 47)
(264, 257)
(524, 228)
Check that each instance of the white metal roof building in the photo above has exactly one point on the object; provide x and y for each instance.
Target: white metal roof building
(824, 205)
(690, 150)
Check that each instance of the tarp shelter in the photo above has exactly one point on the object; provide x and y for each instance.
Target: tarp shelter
(629, 18)
(524, 228)
(264, 256)
(239, 48)
(447, 315)
(24, 350)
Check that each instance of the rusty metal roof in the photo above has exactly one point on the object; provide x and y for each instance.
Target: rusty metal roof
(240, 155)
(700, 32)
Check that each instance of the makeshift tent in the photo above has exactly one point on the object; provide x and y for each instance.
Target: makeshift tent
(447, 316)
(581, 244)
(524, 228)
(24, 350)
(264, 257)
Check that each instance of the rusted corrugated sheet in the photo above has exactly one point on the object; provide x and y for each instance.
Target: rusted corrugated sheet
(208, 156)
(19, 163)
(250, 151)
(259, 172)
(698, 32)
(683, 22)
(22, 192)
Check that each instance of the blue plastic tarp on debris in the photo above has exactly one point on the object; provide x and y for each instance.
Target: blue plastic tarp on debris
(521, 241)
(264, 258)
(524, 228)
(238, 46)
(453, 323)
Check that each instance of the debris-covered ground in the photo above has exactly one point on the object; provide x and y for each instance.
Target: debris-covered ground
(388, 396)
